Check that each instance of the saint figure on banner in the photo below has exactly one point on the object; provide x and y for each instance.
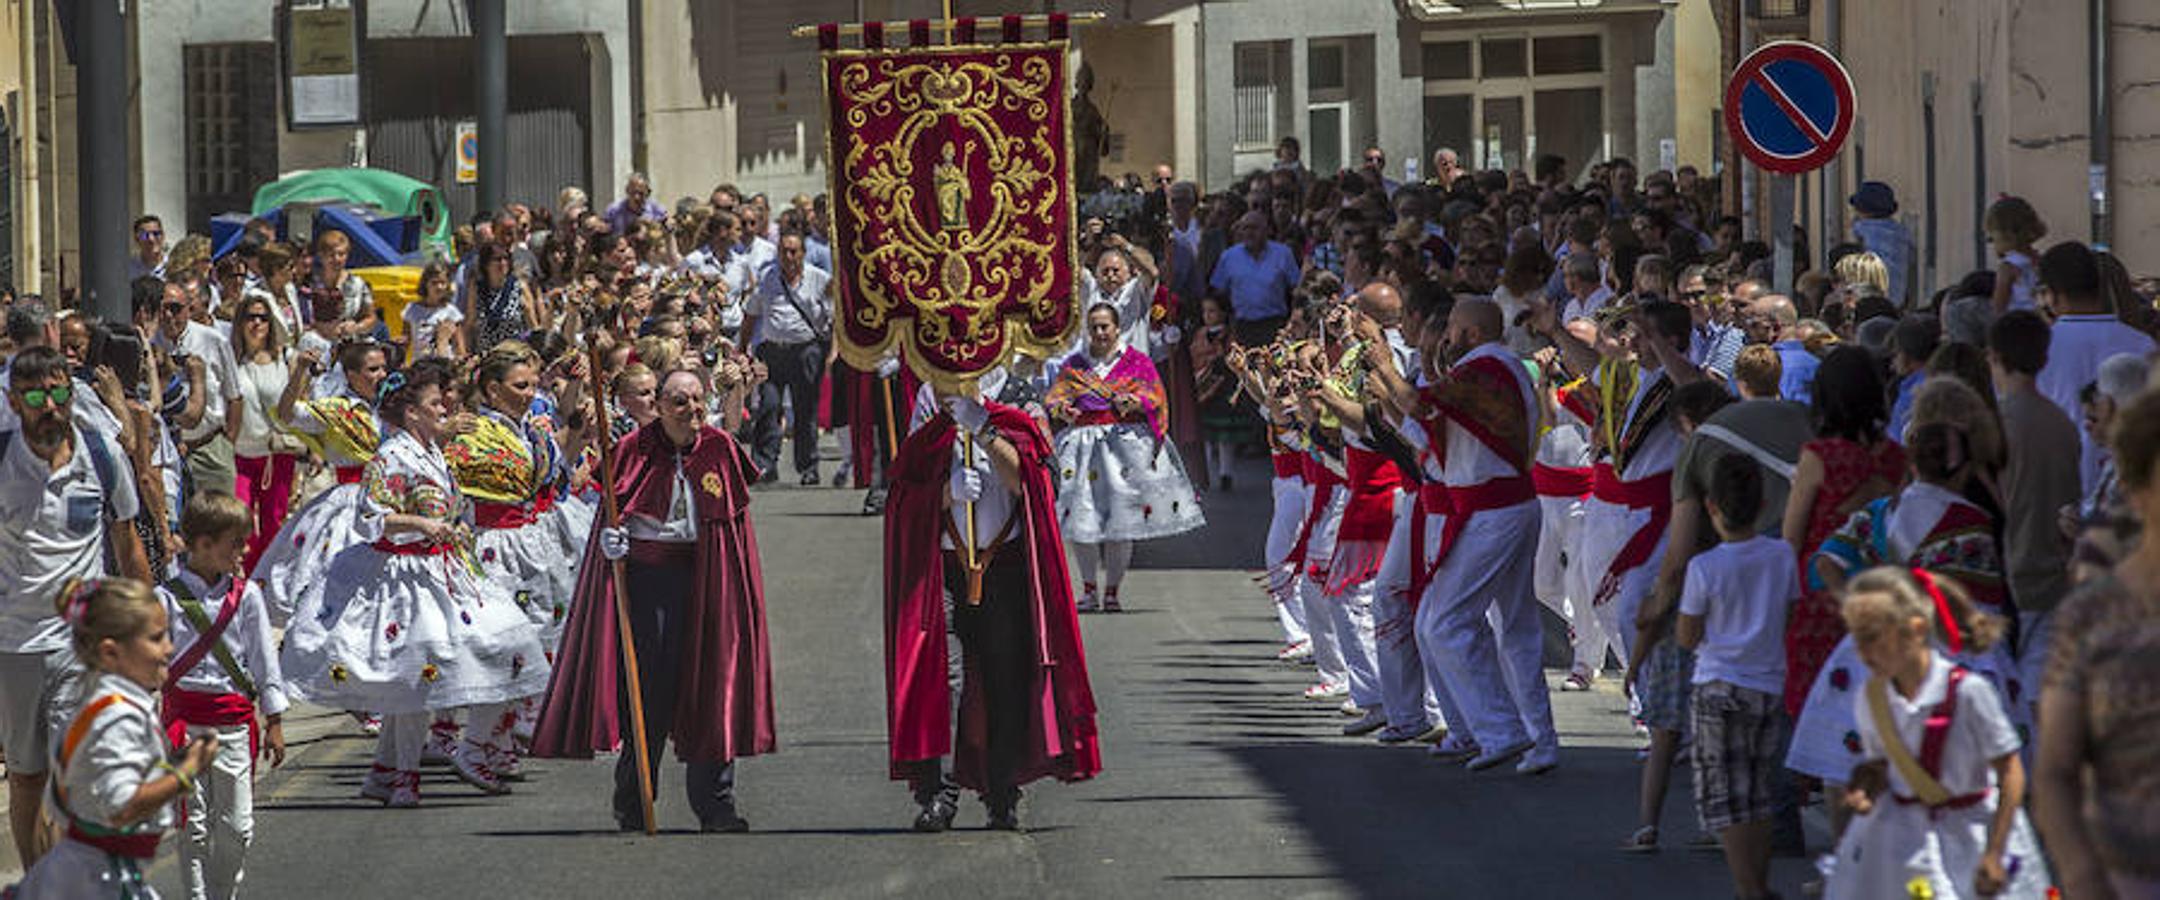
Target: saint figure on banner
(949, 179)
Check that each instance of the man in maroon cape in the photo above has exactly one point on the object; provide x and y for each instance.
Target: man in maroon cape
(1025, 707)
(696, 601)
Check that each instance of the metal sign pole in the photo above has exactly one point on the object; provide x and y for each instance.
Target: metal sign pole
(1781, 232)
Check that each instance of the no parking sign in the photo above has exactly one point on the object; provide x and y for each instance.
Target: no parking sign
(1789, 107)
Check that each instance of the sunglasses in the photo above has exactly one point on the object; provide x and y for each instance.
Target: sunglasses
(47, 398)
(255, 317)
(149, 235)
(175, 308)
(681, 400)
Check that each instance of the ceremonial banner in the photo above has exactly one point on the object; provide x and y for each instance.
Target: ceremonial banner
(952, 205)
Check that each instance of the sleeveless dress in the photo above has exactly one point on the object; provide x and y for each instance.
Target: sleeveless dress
(1815, 626)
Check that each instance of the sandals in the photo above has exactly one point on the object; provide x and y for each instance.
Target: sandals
(1644, 840)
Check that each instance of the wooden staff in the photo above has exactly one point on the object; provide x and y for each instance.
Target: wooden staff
(612, 518)
(892, 432)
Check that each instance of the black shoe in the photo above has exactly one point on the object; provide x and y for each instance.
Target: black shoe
(629, 823)
(873, 503)
(1004, 810)
(725, 822)
(810, 478)
(1226, 484)
(936, 814)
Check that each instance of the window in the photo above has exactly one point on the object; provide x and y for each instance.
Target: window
(1502, 58)
(1447, 60)
(1254, 81)
(1324, 67)
(1448, 124)
(1571, 55)
(232, 121)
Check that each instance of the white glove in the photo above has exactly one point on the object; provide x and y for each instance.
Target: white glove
(968, 413)
(614, 543)
(966, 483)
(1171, 334)
(888, 367)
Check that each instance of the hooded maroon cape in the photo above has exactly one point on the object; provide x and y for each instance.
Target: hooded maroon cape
(724, 703)
(1061, 707)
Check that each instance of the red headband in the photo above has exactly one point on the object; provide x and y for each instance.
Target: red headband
(1942, 610)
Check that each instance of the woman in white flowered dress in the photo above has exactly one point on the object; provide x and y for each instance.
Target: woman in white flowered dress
(1119, 479)
(404, 623)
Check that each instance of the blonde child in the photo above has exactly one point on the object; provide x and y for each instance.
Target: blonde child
(2012, 228)
(113, 787)
(226, 671)
(1938, 799)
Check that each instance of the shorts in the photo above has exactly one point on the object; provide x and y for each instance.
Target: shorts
(1661, 688)
(1739, 747)
(37, 694)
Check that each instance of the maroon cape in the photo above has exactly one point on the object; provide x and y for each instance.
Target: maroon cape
(724, 706)
(1061, 708)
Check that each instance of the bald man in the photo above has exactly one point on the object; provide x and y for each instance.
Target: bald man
(1257, 275)
(1480, 419)
(1798, 381)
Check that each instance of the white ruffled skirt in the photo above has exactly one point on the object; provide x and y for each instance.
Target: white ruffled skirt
(395, 634)
(528, 564)
(292, 565)
(1115, 483)
(1826, 740)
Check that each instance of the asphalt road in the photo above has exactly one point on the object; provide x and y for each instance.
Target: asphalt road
(1219, 781)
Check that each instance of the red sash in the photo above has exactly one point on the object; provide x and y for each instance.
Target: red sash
(1108, 417)
(133, 846)
(1459, 506)
(1374, 479)
(543, 503)
(206, 642)
(1324, 481)
(349, 474)
(1288, 465)
(1654, 494)
(183, 707)
(1933, 735)
(1556, 481)
(504, 515)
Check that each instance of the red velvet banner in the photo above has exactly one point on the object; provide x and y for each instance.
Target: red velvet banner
(952, 205)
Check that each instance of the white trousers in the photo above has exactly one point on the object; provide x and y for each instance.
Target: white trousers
(1351, 614)
(1412, 701)
(1327, 641)
(1291, 495)
(1607, 528)
(1563, 581)
(220, 817)
(1498, 679)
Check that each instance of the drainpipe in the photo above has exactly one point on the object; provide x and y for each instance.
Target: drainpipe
(1830, 181)
(2102, 127)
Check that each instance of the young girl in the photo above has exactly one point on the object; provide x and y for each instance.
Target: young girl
(2012, 227)
(431, 320)
(113, 788)
(1220, 419)
(1940, 795)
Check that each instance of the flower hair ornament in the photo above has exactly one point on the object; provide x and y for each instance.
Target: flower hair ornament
(1951, 636)
(391, 384)
(78, 592)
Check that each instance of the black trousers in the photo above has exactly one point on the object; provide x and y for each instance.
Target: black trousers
(998, 639)
(657, 596)
(797, 370)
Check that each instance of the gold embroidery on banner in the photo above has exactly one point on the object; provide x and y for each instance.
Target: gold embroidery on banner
(949, 264)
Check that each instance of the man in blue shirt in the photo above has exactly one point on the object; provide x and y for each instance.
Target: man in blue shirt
(1912, 345)
(635, 206)
(1798, 381)
(1257, 275)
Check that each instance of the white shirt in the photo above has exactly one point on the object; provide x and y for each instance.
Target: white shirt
(680, 527)
(261, 384)
(759, 254)
(1979, 732)
(778, 320)
(1468, 461)
(52, 529)
(1743, 591)
(994, 508)
(1660, 448)
(2077, 345)
(1586, 307)
(1133, 301)
(735, 271)
(221, 374)
(119, 752)
(421, 321)
(247, 638)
